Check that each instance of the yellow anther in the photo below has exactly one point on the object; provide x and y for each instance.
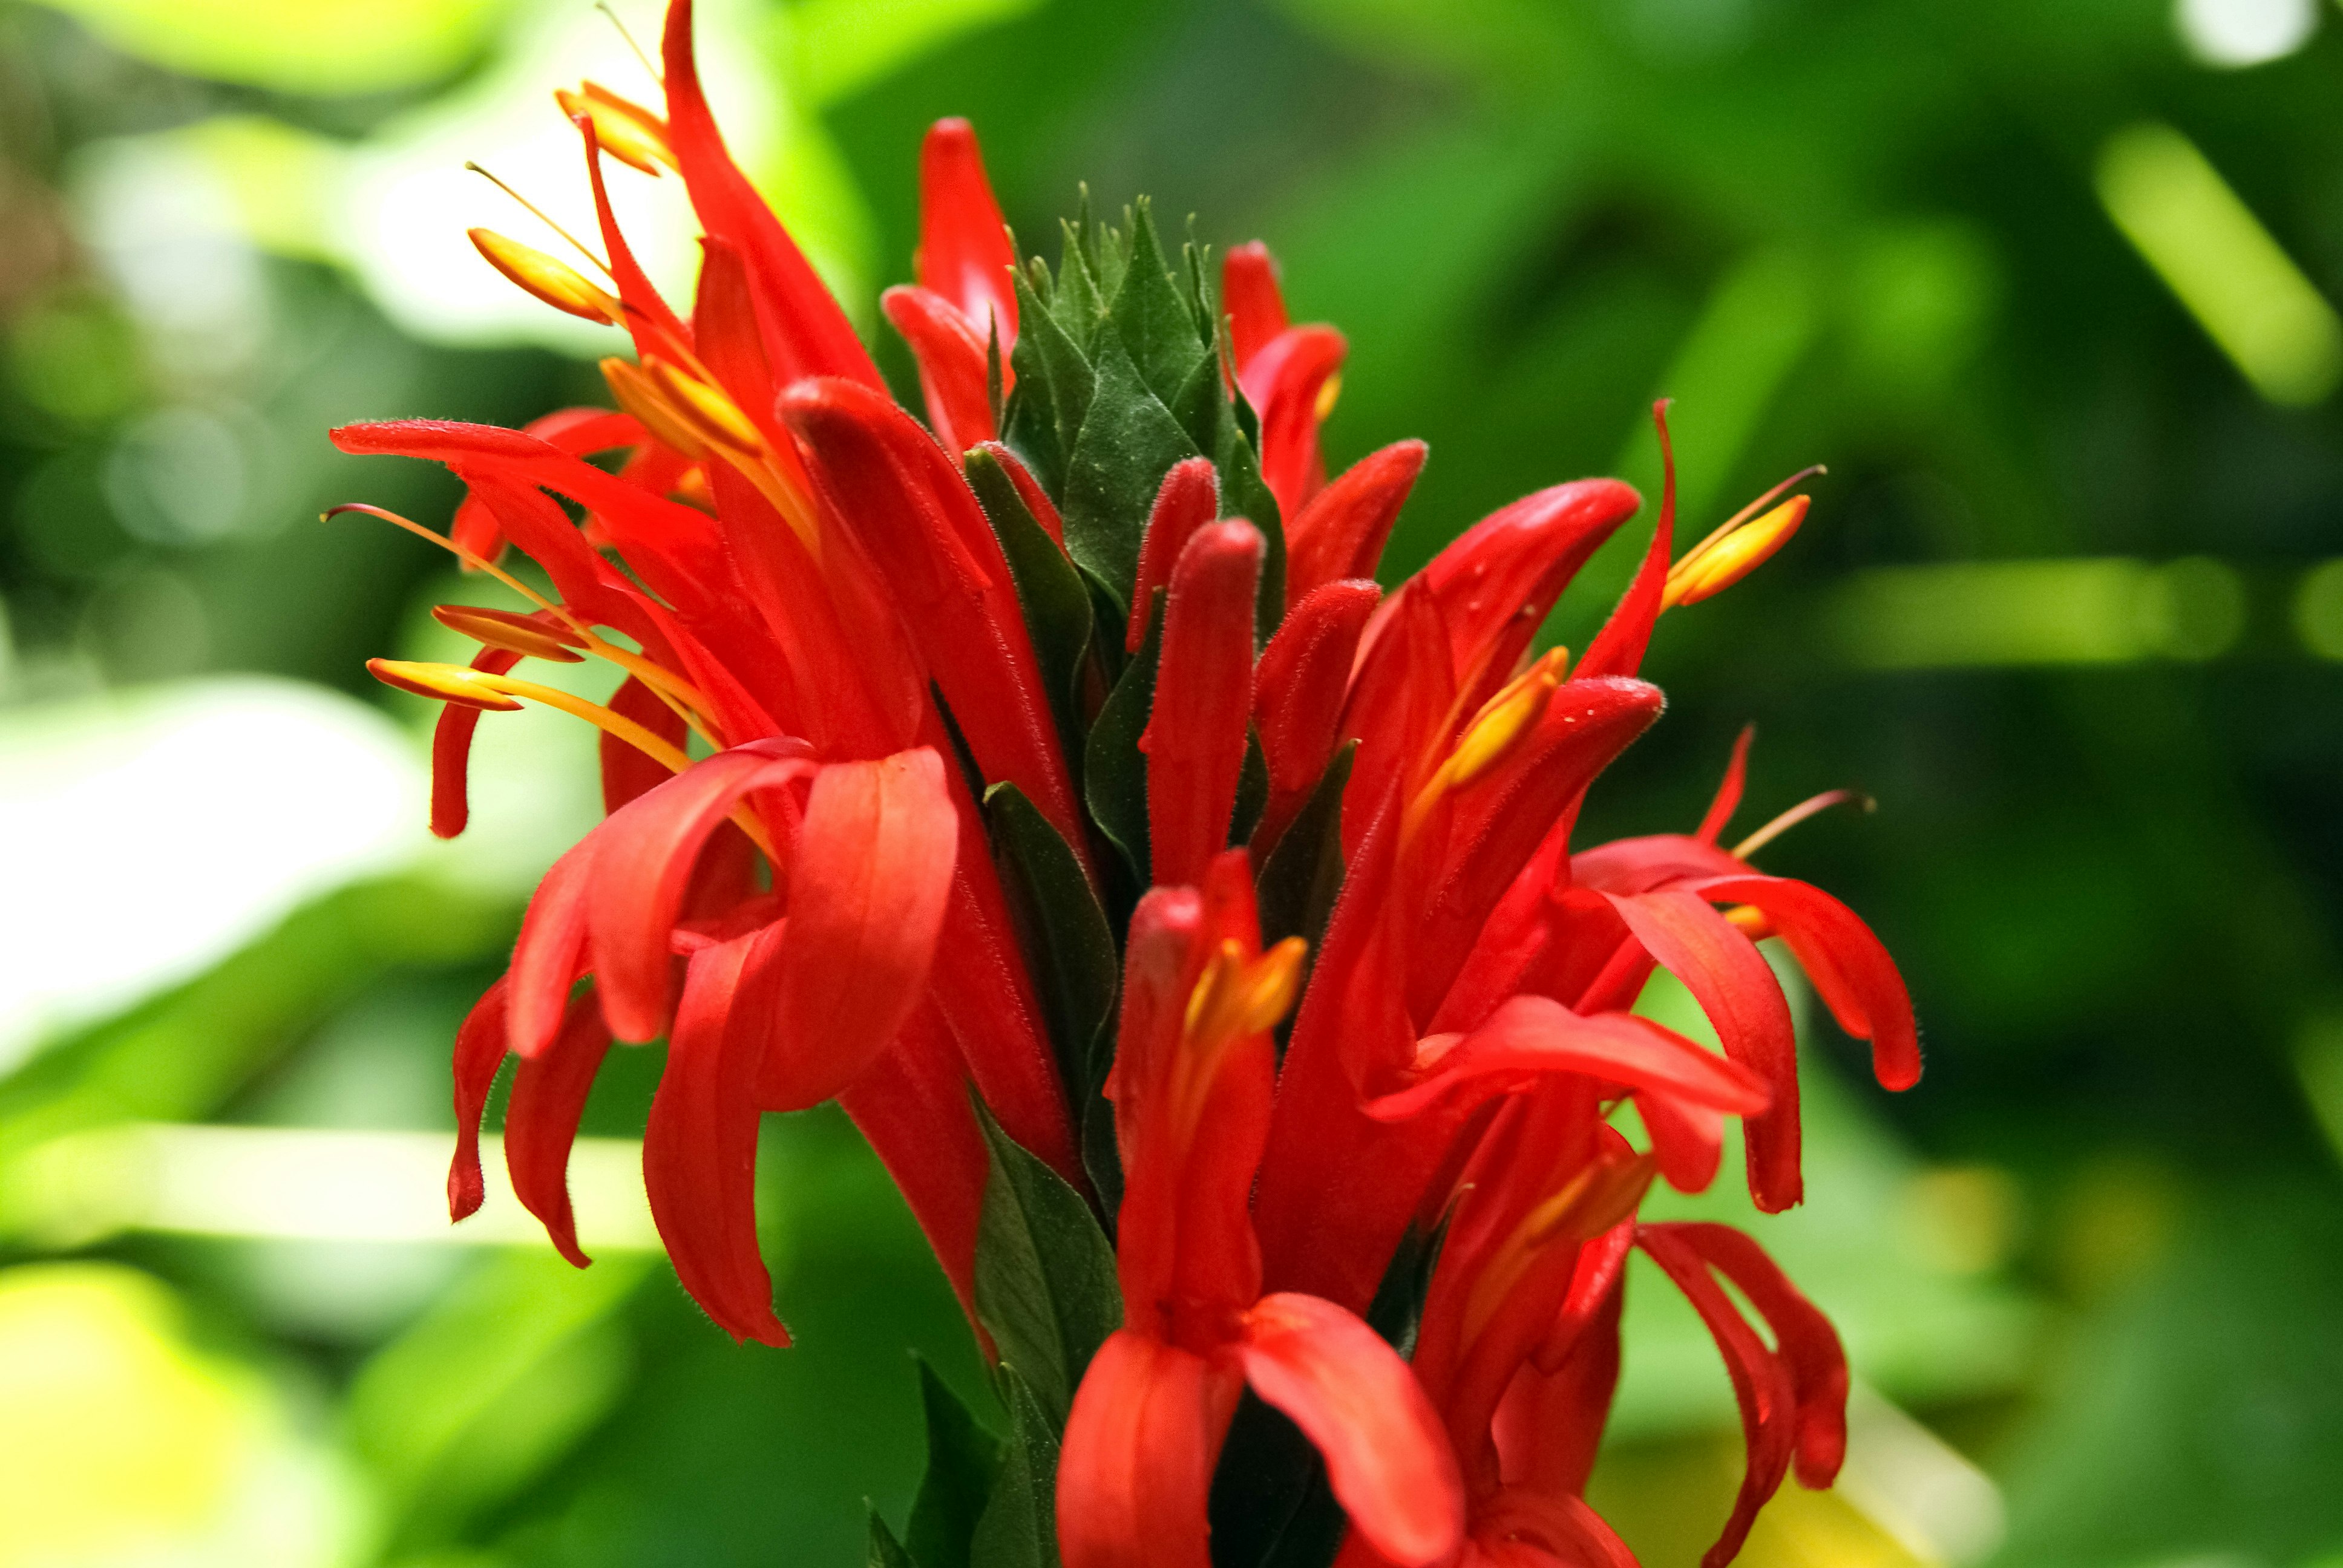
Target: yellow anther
(626, 130)
(442, 682)
(1750, 922)
(513, 632)
(1233, 998)
(556, 283)
(1597, 1198)
(1329, 393)
(1712, 567)
(638, 394)
(1505, 719)
(717, 419)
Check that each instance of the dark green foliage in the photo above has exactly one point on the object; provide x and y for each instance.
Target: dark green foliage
(1049, 591)
(885, 1550)
(1020, 1527)
(1071, 950)
(1114, 771)
(962, 1459)
(1303, 874)
(1045, 1280)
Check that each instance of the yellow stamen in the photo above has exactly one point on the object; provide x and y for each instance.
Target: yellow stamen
(1329, 393)
(1796, 815)
(638, 394)
(1597, 1198)
(514, 633)
(1232, 998)
(455, 683)
(716, 417)
(1713, 568)
(539, 213)
(1492, 732)
(557, 283)
(1750, 922)
(626, 131)
(686, 699)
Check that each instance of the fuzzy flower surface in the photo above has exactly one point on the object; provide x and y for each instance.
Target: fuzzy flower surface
(1192, 926)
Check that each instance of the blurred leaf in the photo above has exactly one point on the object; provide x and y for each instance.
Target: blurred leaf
(1020, 1527)
(886, 1551)
(1072, 951)
(296, 47)
(841, 47)
(1045, 1279)
(962, 1459)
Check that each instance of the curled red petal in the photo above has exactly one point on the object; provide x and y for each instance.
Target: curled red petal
(1761, 1383)
(1341, 533)
(644, 860)
(551, 953)
(965, 256)
(1530, 1035)
(1808, 1345)
(451, 750)
(1251, 299)
(1386, 1456)
(953, 378)
(1737, 989)
(1654, 860)
(650, 321)
(626, 773)
(912, 1104)
(480, 1052)
(1135, 1470)
(699, 1145)
(1028, 490)
(868, 882)
(1195, 736)
(805, 333)
(1189, 497)
(1618, 648)
(1847, 964)
(549, 1096)
(1727, 799)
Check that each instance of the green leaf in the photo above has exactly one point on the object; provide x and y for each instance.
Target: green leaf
(885, 1550)
(1045, 1279)
(1129, 441)
(1072, 951)
(1114, 771)
(1053, 391)
(1101, 1155)
(1252, 790)
(1079, 307)
(1020, 1527)
(1303, 874)
(1244, 494)
(1049, 591)
(1157, 328)
(962, 1459)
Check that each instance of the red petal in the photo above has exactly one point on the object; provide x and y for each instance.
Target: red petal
(1284, 380)
(731, 344)
(1386, 1456)
(551, 953)
(1639, 865)
(1736, 987)
(953, 375)
(1341, 533)
(1761, 1383)
(626, 773)
(644, 859)
(1250, 298)
(1135, 1472)
(806, 334)
(1728, 789)
(549, 1096)
(653, 326)
(1528, 1530)
(1298, 691)
(869, 881)
(1534, 1034)
(451, 750)
(910, 505)
(699, 1147)
(1189, 497)
(913, 1106)
(965, 256)
(1810, 1347)
(1847, 963)
(1618, 648)
(1028, 490)
(480, 1052)
(1195, 737)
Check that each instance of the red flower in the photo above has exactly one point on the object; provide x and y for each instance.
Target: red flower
(913, 657)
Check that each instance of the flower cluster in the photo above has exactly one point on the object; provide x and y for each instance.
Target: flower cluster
(1192, 927)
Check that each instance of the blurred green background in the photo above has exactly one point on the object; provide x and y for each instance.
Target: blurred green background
(2047, 286)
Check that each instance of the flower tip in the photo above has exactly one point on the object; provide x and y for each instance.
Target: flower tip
(1719, 564)
(441, 683)
(556, 283)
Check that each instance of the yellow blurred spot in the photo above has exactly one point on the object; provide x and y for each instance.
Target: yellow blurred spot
(1964, 1218)
(2042, 612)
(2319, 609)
(1329, 393)
(2208, 245)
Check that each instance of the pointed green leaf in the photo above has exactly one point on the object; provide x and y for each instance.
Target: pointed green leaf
(1079, 307)
(1053, 390)
(885, 1550)
(1050, 593)
(1045, 1278)
(1020, 1527)
(1244, 494)
(1072, 952)
(1128, 442)
(1114, 771)
(962, 1459)
(1151, 317)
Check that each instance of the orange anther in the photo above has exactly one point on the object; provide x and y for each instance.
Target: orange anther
(442, 683)
(513, 632)
(560, 286)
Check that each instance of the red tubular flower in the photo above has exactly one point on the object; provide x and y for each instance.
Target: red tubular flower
(897, 711)
(1192, 1088)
